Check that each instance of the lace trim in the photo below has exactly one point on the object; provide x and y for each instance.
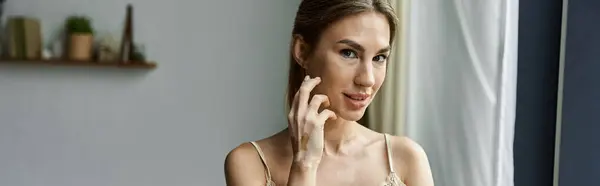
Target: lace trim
(270, 183)
(393, 180)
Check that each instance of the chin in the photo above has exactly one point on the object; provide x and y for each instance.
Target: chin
(351, 115)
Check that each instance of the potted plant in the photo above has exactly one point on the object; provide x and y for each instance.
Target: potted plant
(81, 38)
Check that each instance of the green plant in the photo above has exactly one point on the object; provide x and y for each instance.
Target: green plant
(79, 25)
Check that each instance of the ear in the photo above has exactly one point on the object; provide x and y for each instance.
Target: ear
(299, 50)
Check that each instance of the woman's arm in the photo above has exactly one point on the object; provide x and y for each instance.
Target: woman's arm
(303, 175)
(305, 127)
(243, 167)
(418, 171)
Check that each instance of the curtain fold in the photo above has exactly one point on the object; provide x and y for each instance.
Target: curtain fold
(386, 112)
(451, 86)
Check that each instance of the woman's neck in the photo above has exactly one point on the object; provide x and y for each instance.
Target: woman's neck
(338, 133)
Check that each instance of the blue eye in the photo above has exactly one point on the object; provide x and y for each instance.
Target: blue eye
(380, 58)
(348, 53)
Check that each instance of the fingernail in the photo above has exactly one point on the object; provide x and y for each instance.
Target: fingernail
(306, 77)
(318, 78)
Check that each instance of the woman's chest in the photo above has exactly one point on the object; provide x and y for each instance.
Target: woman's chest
(345, 177)
(357, 172)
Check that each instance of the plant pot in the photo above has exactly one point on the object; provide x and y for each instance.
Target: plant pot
(80, 46)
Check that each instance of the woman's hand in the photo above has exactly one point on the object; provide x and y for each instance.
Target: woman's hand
(306, 125)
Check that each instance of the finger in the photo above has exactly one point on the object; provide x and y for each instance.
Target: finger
(307, 86)
(316, 102)
(292, 115)
(293, 108)
(325, 115)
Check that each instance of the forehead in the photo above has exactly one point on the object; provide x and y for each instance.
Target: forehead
(370, 29)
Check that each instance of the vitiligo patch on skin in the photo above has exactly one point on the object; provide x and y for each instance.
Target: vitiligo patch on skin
(304, 142)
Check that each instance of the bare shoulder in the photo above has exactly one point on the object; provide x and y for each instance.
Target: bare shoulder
(244, 167)
(406, 149)
(412, 159)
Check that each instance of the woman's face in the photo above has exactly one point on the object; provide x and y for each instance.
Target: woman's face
(351, 59)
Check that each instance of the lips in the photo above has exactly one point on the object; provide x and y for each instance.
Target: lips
(357, 97)
(356, 101)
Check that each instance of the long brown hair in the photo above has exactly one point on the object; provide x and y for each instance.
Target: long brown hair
(314, 16)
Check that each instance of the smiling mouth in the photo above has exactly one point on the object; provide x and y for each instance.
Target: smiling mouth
(357, 97)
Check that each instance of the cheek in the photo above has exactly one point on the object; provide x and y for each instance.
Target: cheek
(337, 74)
(330, 79)
(317, 65)
(334, 82)
(379, 78)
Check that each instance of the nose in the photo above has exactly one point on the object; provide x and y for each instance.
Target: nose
(365, 76)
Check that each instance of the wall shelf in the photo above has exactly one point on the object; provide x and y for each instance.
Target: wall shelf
(66, 62)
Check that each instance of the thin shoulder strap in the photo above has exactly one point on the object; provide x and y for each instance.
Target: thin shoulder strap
(389, 152)
(262, 158)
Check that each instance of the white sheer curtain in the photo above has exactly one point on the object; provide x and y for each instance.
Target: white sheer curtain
(460, 66)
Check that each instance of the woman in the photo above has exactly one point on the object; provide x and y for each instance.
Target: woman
(338, 62)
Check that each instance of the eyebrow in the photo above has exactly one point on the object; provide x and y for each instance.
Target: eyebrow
(359, 47)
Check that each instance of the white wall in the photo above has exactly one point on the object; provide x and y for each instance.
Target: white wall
(220, 81)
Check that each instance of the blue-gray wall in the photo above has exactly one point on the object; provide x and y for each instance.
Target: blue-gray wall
(539, 45)
(171, 126)
(580, 134)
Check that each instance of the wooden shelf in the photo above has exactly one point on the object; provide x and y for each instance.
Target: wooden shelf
(66, 62)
